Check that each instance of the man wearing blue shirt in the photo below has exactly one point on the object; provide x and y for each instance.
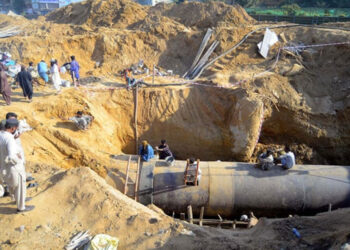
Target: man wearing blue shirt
(42, 70)
(146, 151)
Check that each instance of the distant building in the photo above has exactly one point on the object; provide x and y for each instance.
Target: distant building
(5, 6)
(153, 2)
(46, 6)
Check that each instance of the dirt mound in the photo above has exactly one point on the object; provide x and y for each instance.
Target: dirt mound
(204, 15)
(116, 13)
(79, 200)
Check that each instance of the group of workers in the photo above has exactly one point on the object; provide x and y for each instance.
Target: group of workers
(146, 152)
(12, 162)
(266, 160)
(27, 76)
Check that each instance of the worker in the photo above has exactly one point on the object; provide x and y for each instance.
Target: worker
(13, 170)
(165, 153)
(25, 81)
(192, 170)
(82, 121)
(17, 135)
(146, 151)
(42, 70)
(55, 76)
(74, 70)
(33, 72)
(266, 160)
(288, 159)
(130, 81)
(5, 88)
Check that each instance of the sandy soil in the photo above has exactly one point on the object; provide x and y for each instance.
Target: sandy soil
(304, 101)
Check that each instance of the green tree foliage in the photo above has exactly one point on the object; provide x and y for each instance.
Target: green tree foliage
(18, 6)
(302, 3)
(291, 9)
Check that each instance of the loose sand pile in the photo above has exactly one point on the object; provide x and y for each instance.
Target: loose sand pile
(78, 200)
(304, 101)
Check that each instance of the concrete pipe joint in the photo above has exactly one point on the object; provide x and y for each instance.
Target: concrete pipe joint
(230, 189)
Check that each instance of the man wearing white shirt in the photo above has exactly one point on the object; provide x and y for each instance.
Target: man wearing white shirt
(12, 165)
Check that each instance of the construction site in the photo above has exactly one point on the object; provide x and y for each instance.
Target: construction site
(218, 86)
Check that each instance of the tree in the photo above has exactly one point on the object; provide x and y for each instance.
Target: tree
(18, 6)
(291, 9)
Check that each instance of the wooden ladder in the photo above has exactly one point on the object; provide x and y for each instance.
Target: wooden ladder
(186, 180)
(135, 183)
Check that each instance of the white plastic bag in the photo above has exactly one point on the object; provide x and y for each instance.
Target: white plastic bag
(103, 242)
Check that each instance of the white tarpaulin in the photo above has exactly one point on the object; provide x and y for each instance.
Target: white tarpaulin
(270, 38)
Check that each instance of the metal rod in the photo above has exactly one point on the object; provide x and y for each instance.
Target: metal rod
(135, 114)
(127, 176)
(200, 51)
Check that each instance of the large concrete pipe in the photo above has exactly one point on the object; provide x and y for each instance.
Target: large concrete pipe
(230, 189)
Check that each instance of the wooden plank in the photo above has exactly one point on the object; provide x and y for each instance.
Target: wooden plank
(137, 180)
(201, 214)
(190, 214)
(127, 176)
(186, 170)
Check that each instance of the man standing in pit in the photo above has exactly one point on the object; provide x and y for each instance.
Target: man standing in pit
(12, 166)
(74, 70)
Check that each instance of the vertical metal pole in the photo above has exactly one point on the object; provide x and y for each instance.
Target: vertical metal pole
(135, 114)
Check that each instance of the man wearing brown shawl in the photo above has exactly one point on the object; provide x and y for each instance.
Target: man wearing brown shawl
(5, 89)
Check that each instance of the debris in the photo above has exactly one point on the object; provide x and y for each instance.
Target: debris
(346, 246)
(187, 232)
(79, 240)
(270, 38)
(296, 233)
(103, 242)
(23, 127)
(244, 217)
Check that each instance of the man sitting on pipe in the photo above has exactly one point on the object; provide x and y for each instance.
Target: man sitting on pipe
(165, 153)
(287, 159)
(266, 160)
(146, 151)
